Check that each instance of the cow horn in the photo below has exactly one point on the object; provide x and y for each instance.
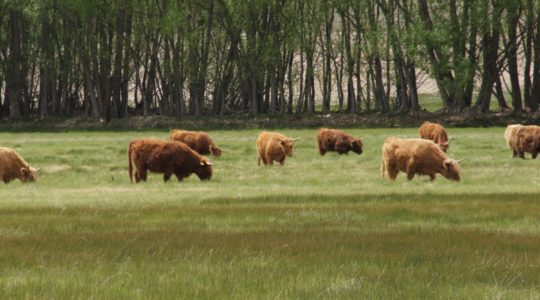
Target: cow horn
(459, 160)
(209, 163)
(296, 139)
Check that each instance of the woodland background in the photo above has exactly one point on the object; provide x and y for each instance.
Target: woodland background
(113, 59)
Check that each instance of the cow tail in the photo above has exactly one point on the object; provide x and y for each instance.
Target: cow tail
(130, 164)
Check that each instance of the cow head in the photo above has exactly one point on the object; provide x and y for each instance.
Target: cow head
(356, 146)
(444, 146)
(451, 169)
(204, 171)
(28, 174)
(216, 151)
(288, 145)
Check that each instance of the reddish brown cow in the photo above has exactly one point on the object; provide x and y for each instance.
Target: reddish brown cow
(198, 140)
(527, 140)
(338, 141)
(168, 158)
(13, 166)
(436, 133)
(273, 146)
(416, 156)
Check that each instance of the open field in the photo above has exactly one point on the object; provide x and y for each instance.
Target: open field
(318, 228)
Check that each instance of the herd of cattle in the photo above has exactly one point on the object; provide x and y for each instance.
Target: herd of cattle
(182, 154)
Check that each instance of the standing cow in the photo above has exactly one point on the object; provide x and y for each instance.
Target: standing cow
(273, 146)
(436, 133)
(338, 141)
(13, 166)
(416, 156)
(198, 140)
(168, 158)
(524, 139)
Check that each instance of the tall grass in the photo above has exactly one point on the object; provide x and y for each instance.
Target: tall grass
(319, 227)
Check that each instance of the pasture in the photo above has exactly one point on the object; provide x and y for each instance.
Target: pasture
(318, 228)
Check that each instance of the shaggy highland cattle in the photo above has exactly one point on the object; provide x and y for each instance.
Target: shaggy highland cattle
(198, 140)
(436, 133)
(168, 158)
(273, 146)
(13, 166)
(416, 156)
(338, 141)
(523, 139)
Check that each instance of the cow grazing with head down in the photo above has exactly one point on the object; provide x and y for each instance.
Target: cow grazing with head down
(13, 166)
(436, 133)
(523, 139)
(198, 140)
(416, 156)
(511, 137)
(273, 146)
(338, 141)
(168, 158)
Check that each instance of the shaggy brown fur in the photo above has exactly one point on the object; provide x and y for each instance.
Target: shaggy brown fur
(416, 156)
(273, 146)
(198, 140)
(511, 136)
(338, 141)
(436, 133)
(13, 166)
(525, 139)
(168, 158)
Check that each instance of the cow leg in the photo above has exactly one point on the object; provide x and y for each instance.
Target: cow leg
(521, 154)
(534, 154)
(514, 154)
(167, 176)
(259, 161)
(179, 176)
(391, 170)
(137, 177)
(282, 162)
(410, 171)
(431, 177)
(144, 173)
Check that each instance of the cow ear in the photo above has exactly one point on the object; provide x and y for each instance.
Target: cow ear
(202, 163)
(447, 163)
(24, 171)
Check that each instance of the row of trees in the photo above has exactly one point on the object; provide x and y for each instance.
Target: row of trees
(112, 58)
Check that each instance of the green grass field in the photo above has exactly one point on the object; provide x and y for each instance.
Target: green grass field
(318, 228)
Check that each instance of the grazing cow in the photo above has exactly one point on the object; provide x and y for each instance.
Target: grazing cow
(273, 146)
(416, 156)
(166, 157)
(198, 140)
(526, 140)
(13, 166)
(436, 133)
(338, 141)
(511, 137)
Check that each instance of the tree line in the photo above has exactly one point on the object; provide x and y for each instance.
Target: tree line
(114, 58)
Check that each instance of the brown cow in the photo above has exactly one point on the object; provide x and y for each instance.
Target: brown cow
(337, 140)
(273, 146)
(166, 157)
(436, 133)
(527, 140)
(416, 156)
(13, 166)
(198, 140)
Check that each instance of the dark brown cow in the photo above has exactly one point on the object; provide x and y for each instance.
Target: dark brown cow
(273, 146)
(338, 141)
(198, 140)
(416, 156)
(436, 133)
(13, 166)
(168, 158)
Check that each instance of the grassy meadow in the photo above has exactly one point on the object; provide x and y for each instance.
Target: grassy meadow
(318, 228)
